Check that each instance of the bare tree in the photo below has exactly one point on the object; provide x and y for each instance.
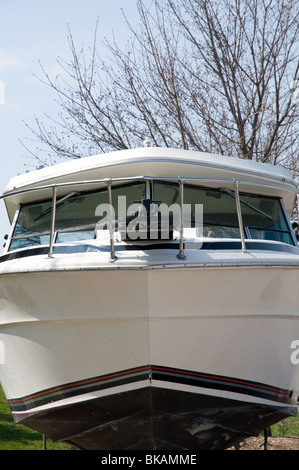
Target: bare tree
(248, 50)
(211, 75)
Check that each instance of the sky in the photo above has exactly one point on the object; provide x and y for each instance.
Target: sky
(35, 32)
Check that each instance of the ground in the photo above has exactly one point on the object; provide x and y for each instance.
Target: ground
(274, 443)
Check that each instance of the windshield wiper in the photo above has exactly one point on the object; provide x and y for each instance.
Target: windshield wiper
(47, 211)
(231, 193)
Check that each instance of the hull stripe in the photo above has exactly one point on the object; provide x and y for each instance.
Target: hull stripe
(151, 373)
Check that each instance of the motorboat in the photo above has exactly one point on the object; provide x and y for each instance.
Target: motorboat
(149, 300)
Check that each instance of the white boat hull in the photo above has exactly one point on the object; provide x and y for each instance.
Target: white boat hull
(164, 348)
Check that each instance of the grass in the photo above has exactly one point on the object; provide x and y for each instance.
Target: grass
(289, 427)
(19, 437)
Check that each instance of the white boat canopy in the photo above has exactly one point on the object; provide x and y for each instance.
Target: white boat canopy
(204, 169)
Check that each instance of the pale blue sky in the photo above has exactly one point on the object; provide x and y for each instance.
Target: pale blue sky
(33, 31)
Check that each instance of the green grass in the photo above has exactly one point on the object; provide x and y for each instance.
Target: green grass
(19, 437)
(289, 427)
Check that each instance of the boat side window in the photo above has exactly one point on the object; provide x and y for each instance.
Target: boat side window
(263, 217)
(29, 229)
(75, 220)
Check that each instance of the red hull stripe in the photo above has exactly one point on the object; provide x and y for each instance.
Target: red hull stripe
(151, 373)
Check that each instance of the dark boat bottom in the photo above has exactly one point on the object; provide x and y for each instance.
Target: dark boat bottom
(155, 419)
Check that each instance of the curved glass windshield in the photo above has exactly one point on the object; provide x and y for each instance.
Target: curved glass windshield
(79, 215)
(263, 217)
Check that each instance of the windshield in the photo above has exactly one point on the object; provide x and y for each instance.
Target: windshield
(78, 216)
(263, 217)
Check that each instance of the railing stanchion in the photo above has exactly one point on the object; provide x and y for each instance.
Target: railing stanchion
(241, 228)
(111, 228)
(52, 233)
